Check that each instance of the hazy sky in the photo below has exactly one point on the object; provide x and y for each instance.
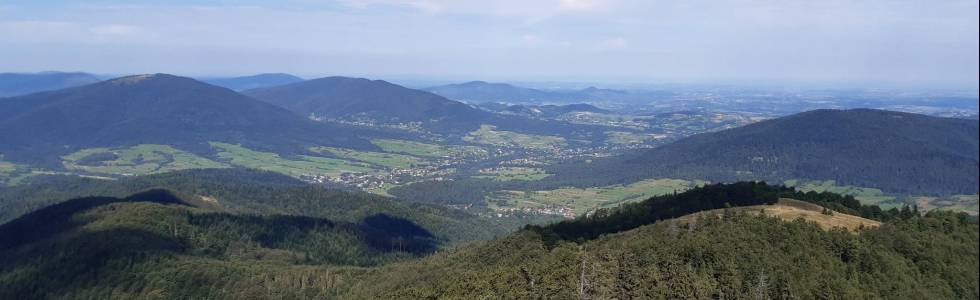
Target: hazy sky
(907, 42)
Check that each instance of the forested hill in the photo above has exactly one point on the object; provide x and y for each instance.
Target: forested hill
(165, 244)
(626, 253)
(96, 247)
(155, 108)
(378, 101)
(345, 97)
(255, 192)
(893, 151)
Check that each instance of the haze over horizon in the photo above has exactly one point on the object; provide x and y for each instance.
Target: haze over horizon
(932, 44)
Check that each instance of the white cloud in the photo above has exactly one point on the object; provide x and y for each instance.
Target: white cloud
(580, 5)
(760, 38)
(114, 30)
(531, 39)
(616, 43)
(421, 5)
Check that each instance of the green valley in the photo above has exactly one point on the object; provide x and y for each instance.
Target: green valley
(571, 202)
(136, 160)
(301, 166)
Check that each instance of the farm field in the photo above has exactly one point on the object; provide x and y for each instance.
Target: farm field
(387, 160)
(966, 203)
(512, 173)
(11, 173)
(305, 166)
(581, 200)
(867, 196)
(426, 150)
(136, 160)
(626, 138)
(488, 135)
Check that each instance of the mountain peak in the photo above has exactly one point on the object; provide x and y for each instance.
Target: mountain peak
(146, 78)
(350, 97)
(152, 108)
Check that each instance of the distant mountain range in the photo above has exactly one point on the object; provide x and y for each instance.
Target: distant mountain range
(894, 151)
(254, 81)
(378, 101)
(156, 108)
(481, 91)
(549, 111)
(14, 84)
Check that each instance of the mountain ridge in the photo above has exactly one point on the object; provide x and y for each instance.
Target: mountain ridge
(263, 80)
(154, 108)
(340, 97)
(897, 152)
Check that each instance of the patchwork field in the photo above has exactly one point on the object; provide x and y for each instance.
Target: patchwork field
(867, 196)
(581, 201)
(626, 138)
(305, 166)
(512, 173)
(387, 160)
(11, 173)
(426, 150)
(136, 160)
(965, 203)
(488, 135)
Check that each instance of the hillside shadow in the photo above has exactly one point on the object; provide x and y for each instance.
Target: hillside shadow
(55, 219)
(389, 233)
(78, 263)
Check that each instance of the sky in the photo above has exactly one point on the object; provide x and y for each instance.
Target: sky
(916, 43)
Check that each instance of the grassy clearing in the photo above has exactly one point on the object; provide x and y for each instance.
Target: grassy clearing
(426, 150)
(13, 173)
(627, 138)
(382, 190)
(136, 160)
(307, 165)
(790, 210)
(7, 167)
(488, 135)
(387, 160)
(965, 203)
(513, 173)
(583, 200)
(867, 196)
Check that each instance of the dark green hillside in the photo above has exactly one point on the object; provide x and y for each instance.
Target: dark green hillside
(14, 84)
(896, 152)
(88, 247)
(626, 253)
(257, 192)
(353, 98)
(158, 245)
(358, 99)
(737, 256)
(147, 109)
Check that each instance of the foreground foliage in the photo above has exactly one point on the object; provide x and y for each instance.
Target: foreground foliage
(157, 246)
(738, 256)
